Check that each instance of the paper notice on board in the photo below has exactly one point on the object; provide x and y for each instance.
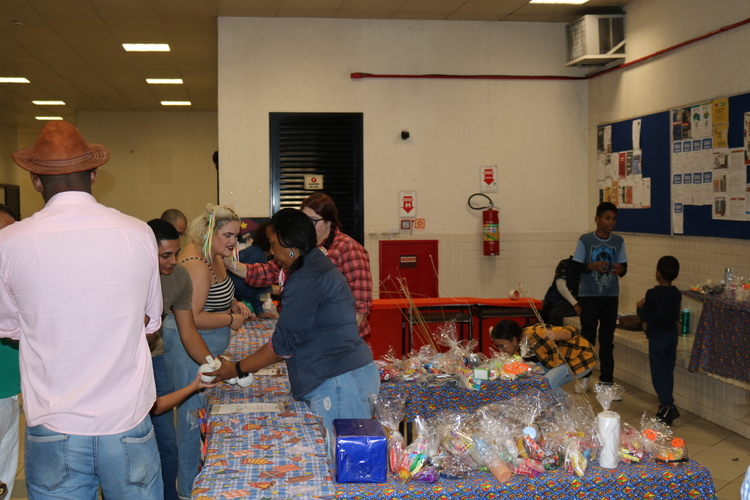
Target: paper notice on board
(637, 191)
(600, 189)
(637, 134)
(698, 188)
(720, 120)
(614, 193)
(701, 120)
(678, 219)
(708, 188)
(720, 208)
(676, 124)
(607, 139)
(646, 192)
(687, 188)
(622, 165)
(736, 184)
(677, 188)
(637, 165)
(600, 172)
(747, 138)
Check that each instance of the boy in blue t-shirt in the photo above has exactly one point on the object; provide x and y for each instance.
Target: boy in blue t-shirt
(602, 261)
(660, 311)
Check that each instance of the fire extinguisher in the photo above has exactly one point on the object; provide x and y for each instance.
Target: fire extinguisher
(490, 231)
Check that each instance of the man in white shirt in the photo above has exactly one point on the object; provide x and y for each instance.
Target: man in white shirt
(80, 289)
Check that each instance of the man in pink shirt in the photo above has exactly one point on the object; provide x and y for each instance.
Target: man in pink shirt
(80, 289)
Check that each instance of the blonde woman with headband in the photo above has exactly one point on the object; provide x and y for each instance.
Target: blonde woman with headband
(212, 237)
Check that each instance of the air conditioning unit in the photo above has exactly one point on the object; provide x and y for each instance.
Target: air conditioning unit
(596, 40)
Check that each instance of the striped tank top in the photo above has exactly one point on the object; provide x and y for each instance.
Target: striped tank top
(220, 295)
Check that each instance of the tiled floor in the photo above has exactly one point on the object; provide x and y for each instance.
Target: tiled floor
(726, 454)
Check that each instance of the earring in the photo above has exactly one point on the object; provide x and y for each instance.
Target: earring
(291, 254)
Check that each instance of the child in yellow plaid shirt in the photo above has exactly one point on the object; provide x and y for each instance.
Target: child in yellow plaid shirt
(560, 350)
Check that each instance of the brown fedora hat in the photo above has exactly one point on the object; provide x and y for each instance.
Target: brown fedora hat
(60, 149)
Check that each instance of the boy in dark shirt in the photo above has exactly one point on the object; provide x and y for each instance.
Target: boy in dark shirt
(561, 299)
(660, 312)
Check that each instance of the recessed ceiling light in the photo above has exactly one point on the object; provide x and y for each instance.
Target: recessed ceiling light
(13, 79)
(571, 2)
(49, 103)
(146, 47)
(48, 118)
(165, 81)
(176, 103)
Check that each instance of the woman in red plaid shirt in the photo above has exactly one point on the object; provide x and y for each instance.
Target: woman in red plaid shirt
(347, 255)
(560, 350)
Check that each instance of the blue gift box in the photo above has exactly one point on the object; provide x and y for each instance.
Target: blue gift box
(361, 450)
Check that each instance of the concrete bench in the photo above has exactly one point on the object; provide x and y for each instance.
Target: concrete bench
(717, 399)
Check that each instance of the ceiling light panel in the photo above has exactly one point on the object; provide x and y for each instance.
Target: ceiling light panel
(568, 2)
(146, 47)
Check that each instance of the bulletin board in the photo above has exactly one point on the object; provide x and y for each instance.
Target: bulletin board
(656, 144)
(656, 149)
(698, 219)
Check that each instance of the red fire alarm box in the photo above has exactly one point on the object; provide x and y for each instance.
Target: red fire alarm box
(414, 262)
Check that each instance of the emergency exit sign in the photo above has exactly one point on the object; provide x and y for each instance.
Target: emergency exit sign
(408, 261)
(488, 179)
(407, 204)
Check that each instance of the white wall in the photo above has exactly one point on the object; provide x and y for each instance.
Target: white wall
(711, 68)
(159, 160)
(534, 131)
(8, 145)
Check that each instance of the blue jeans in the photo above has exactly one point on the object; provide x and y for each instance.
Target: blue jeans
(68, 466)
(183, 370)
(164, 429)
(559, 376)
(344, 396)
(662, 357)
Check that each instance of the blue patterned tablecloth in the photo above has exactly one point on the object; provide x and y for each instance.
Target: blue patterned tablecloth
(722, 343)
(281, 455)
(427, 401)
(627, 481)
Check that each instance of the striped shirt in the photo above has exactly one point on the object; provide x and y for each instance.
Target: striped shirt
(221, 294)
(577, 351)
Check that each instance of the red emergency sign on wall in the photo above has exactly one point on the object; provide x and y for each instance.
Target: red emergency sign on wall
(408, 260)
(488, 179)
(407, 205)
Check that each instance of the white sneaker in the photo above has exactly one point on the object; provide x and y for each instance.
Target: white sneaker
(582, 385)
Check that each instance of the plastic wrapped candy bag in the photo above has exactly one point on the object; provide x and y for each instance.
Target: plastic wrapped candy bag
(412, 368)
(575, 460)
(390, 411)
(606, 393)
(455, 467)
(455, 431)
(490, 458)
(708, 287)
(474, 359)
(389, 366)
(661, 444)
(633, 444)
(416, 456)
